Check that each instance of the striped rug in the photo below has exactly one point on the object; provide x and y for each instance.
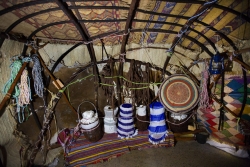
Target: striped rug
(82, 152)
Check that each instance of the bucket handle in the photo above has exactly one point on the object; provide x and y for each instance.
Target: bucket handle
(78, 113)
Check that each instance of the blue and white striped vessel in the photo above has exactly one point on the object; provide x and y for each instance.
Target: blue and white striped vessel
(126, 127)
(157, 127)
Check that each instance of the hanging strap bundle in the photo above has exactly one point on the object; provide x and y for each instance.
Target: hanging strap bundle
(37, 76)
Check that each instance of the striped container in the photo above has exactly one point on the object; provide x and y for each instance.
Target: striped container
(157, 127)
(126, 127)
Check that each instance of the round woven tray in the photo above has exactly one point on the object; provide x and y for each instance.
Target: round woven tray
(178, 94)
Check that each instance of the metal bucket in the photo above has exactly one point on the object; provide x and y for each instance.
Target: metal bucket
(91, 131)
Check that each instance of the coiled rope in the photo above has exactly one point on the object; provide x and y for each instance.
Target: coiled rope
(15, 67)
(37, 76)
(25, 94)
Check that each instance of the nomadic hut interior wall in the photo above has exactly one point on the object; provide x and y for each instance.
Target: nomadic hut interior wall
(165, 36)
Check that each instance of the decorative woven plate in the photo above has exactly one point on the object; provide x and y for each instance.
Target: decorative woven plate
(178, 94)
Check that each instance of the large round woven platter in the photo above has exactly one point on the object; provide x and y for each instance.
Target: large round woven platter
(178, 94)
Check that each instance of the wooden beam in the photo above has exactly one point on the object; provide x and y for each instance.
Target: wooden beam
(179, 25)
(185, 28)
(174, 32)
(132, 11)
(13, 25)
(46, 26)
(19, 38)
(131, 14)
(225, 107)
(25, 4)
(99, 7)
(101, 21)
(72, 17)
(57, 85)
(85, 36)
(197, 21)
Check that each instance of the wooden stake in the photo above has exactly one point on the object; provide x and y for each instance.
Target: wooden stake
(56, 83)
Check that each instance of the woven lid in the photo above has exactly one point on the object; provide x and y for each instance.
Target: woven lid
(178, 94)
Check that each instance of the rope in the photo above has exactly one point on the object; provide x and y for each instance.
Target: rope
(79, 80)
(37, 76)
(15, 67)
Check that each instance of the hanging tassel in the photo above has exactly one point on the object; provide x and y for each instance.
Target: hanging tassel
(24, 96)
(24, 86)
(37, 76)
(204, 99)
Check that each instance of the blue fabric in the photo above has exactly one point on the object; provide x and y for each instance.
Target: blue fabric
(157, 117)
(234, 85)
(126, 130)
(125, 124)
(158, 129)
(127, 105)
(157, 140)
(126, 112)
(156, 105)
(125, 118)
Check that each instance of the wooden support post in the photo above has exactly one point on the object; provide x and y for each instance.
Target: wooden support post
(56, 83)
(225, 107)
(221, 118)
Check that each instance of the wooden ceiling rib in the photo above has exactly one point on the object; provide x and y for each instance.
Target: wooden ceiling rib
(79, 27)
(179, 25)
(46, 26)
(131, 15)
(25, 4)
(207, 38)
(184, 29)
(197, 21)
(29, 16)
(93, 21)
(99, 7)
(175, 32)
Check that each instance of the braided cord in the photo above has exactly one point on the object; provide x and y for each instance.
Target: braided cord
(37, 76)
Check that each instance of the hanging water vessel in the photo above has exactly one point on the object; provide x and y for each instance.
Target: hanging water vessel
(216, 64)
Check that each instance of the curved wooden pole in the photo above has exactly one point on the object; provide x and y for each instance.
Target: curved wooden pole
(56, 83)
